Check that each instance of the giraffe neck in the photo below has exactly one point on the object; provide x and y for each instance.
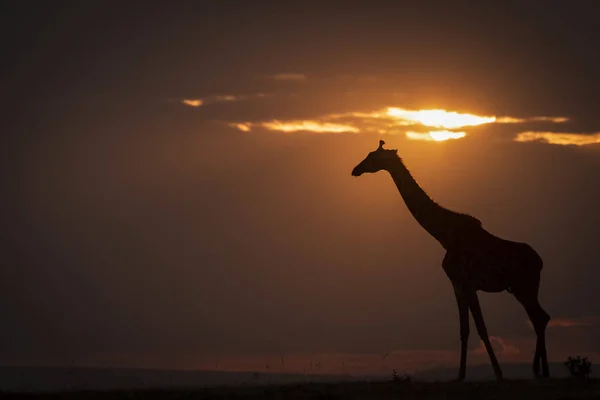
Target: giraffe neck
(438, 221)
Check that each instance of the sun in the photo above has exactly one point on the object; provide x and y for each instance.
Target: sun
(436, 136)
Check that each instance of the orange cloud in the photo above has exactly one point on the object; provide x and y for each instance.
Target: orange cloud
(228, 97)
(296, 126)
(512, 120)
(193, 102)
(396, 120)
(386, 121)
(501, 348)
(309, 126)
(561, 138)
(242, 127)
(556, 120)
(221, 99)
(571, 322)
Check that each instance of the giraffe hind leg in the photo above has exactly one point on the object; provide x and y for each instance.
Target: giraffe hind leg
(542, 319)
(539, 319)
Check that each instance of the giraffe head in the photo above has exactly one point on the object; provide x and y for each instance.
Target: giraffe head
(376, 160)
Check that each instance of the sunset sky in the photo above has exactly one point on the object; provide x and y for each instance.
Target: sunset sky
(176, 187)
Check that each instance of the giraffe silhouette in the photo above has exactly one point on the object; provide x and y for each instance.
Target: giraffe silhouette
(475, 260)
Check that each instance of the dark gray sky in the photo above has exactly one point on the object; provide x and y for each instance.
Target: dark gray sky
(136, 230)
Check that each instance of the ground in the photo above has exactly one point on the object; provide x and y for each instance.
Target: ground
(510, 389)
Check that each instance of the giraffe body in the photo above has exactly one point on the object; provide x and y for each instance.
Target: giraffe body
(475, 259)
(493, 264)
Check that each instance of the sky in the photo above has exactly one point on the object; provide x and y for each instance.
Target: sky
(177, 190)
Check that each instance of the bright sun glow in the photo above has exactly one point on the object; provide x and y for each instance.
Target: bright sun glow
(396, 120)
(437, 136)
(438, 118)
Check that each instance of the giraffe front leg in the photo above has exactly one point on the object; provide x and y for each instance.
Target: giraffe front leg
(462, 300)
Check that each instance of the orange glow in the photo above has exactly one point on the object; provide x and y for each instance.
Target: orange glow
(512, 120)
(576, 139)
(192, 102)
(226, 97)
(438, 118)
(309, 126)
(437, 136)
(390, 121)
(571, 322)
(556, 120)
(242, 127)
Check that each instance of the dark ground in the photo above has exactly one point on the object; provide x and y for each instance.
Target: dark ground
(510, 389)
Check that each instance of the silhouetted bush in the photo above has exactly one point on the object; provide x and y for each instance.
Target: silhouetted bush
(404, 378)
(579, 367)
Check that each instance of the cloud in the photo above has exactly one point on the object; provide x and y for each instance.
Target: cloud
(501, 347)
(556, 120)
(227, 97)
(197, 102)
(414, 124)
(289, 77)
(572, 322)
(242, 127)
(299, 126)
(312, 126)
(512, 120)
(193, 102)
(386, 121)
(560, 138)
